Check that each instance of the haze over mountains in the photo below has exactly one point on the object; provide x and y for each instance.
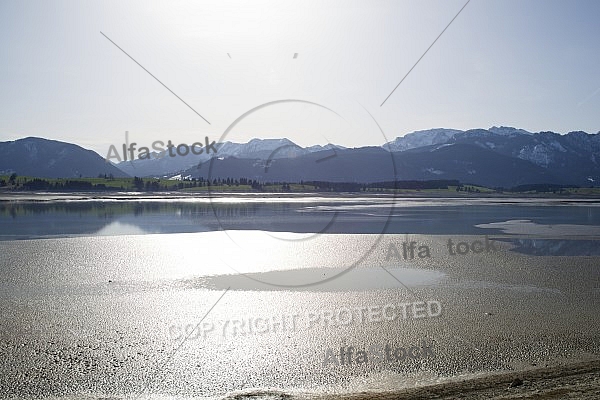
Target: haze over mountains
(499, 156)
(495, 157)
(45, 158)
(256, 149)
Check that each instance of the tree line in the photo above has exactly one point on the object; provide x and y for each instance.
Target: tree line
(108, 183)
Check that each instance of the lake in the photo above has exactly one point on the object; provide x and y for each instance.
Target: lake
(253, 295)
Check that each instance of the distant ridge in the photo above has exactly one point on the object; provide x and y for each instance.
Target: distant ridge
(44, 158)
(496, 157)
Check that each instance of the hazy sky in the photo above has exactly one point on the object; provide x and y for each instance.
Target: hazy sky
(529, 64)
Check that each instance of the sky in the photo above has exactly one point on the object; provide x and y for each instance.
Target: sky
(314, 72)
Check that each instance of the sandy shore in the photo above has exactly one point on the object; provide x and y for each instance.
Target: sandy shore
(102, 331)
(579, 380)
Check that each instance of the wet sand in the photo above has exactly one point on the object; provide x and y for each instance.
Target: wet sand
(76, 335)
(576, 380)
(95, 317)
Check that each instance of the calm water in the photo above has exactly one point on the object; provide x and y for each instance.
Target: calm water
(38, 216)
(208, 297)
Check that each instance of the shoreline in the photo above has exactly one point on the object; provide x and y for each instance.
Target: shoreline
(580, 378)
(9, 195)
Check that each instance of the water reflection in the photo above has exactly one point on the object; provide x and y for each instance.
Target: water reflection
(555, 247)
(357, 279)
(28, 218)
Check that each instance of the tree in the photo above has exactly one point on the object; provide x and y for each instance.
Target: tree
(138, 183)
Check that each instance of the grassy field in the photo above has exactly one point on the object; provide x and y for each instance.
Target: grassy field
(109, 183)
(20, 183)
(584, 191)
(218, 188)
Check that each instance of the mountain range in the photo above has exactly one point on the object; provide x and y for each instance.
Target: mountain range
(159, 164)
(495, 157)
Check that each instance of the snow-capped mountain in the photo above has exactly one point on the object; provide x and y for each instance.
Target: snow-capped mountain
(574, 157)
(261, 149)
(329, 146)
(508, 131)
(545, 149)
(257, 149)
(477, 155)
(421, 138)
